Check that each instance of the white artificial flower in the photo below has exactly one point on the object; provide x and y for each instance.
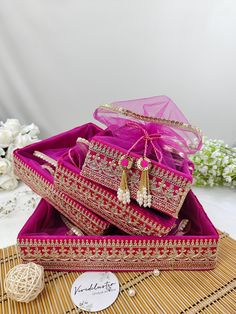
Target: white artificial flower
(9, 154)
(31, 129)
(5, 166)
(203, 169)
(2, 152)
(213, 172)
(13, 135)
(221, 162)
(13, 125)
(8, 182)
(5, 137)
(215, 154)
(228, 179)
(211, 181)
(23, 140)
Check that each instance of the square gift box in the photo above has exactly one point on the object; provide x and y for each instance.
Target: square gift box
(44, 239)
(65, 179)
(169, 187)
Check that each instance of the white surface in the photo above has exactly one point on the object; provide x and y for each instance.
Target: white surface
(59, 59)
(13, 219)
(219, 203)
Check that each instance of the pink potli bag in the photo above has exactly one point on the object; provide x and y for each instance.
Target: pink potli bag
(143, 153)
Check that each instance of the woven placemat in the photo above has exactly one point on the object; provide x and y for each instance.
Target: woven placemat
(172, 292)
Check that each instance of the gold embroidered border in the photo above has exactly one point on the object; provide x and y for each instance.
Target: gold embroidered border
(120, 254)
(140, 224)
(124, 216)
(167, 198)
(167, 265)
(83, 218)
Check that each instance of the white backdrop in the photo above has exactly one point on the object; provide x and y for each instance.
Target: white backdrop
(60, 58)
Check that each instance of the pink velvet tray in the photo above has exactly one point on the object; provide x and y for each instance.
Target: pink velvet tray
(28, 168)
(44, 240)
(168, 186)
(67, 179)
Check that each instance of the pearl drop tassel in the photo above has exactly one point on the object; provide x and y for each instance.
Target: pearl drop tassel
(156, 272)
(143, 198)
(131, 292)
(123, 196)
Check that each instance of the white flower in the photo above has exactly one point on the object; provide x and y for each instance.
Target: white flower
(23, 140)
(2, 152)
(215, 154)
(211, 181)
(213, 172)
(31, 129)
(5, 137)
(13, 135)
(203, 169)
(228, 179)
(13, 125)
(225, 160)
(5, 166)
(8, 182)
(10, 150)
(221, 162)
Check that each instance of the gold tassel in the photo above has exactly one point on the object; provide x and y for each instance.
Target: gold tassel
(143, 194)
(123, 192)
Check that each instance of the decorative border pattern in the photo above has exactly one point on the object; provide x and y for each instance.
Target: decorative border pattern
(128, 218)
(119, 254)
(79, 215)
(171, 123)
(168, 188)
(104, 253)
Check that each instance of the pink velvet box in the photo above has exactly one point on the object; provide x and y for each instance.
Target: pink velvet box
(44, 240)
(28, 168)
(67, 179)
(169, 187)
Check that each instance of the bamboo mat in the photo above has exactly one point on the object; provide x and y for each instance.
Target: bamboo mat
(172, 292)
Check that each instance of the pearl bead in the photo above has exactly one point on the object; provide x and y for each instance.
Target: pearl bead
(131, 292)
(156, 272)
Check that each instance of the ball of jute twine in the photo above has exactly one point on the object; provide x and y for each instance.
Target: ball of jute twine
(24, 282)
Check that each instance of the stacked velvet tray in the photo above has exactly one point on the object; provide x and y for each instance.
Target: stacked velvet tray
(117, 198)
(140, 241)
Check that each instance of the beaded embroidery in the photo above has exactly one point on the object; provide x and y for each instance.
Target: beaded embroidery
(128, 218)
(79, 215)
(119, 254)
(169, 189)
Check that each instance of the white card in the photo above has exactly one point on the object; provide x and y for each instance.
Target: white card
(95, 291)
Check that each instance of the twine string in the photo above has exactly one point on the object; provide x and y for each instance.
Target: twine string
(148, 138)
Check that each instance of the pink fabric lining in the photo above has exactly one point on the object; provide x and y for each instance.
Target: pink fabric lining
(55, 147)
(46, 223)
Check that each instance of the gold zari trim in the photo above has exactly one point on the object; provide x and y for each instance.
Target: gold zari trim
(171, 123)
(101, 165)
(107, 205)
(80, 216)
(120, 254)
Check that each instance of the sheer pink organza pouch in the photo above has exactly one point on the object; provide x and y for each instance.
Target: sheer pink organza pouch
(143, 153)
